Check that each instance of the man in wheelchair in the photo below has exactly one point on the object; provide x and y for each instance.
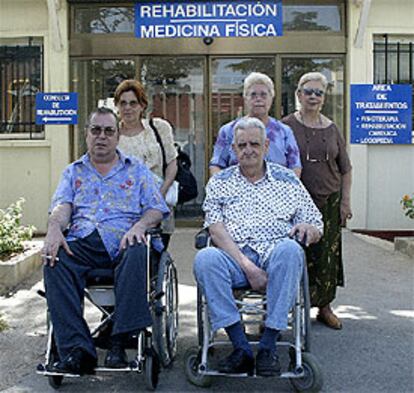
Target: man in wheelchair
(107, 201)
(254, 212)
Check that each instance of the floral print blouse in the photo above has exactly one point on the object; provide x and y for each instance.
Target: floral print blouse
(111, 204)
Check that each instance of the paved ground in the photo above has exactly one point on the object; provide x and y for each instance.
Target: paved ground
(373, 353)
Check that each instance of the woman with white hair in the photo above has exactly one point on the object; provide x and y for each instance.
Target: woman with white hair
(258, 96)
(326, 173)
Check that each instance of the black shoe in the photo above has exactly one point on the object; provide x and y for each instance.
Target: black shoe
(116, 357)
(78, 362)
(238, 362)
(267, 363)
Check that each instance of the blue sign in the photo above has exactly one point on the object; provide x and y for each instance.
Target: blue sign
(57, 108)
(185, 19)
(381, 114)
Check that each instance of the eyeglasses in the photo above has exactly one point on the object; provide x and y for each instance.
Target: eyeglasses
(132, 103)
(254, 96)
(97, 130)
(308, 92)
(323, 157)
(309, 159)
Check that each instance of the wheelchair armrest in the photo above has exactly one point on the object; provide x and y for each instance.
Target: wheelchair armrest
(201, 239)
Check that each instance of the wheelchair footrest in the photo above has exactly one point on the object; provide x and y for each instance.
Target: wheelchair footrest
(42, 370)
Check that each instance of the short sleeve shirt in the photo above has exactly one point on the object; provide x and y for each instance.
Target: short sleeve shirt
(324, 158)
(283, 148)
(145, 146)
(259, 214)
(111, 204)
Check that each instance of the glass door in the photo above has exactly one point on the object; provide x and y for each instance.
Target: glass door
(175, 90)
(95, 82)
(227, 77)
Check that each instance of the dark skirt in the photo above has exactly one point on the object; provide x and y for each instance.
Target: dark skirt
(324, 259)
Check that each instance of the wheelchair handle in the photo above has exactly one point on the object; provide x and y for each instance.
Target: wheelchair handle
(153, 231)
(201, 239)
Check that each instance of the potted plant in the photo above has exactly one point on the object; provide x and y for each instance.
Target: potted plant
(407, 203)
(19, 256)
(406, 244)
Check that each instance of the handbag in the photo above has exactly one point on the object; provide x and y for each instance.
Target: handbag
(186, 183)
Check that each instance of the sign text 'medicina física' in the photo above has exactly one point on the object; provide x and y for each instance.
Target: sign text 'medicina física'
(208, 19)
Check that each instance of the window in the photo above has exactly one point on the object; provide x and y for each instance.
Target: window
(312, 17)
(101, 20)
(394, 61)
(21, 77)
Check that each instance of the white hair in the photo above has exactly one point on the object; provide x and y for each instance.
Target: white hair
(312, 76)
(250, 123)
(257, 78)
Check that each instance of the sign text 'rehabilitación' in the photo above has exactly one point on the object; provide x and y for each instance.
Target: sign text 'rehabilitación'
(208, 19)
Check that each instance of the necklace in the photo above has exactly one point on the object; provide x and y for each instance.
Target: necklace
(319, 123)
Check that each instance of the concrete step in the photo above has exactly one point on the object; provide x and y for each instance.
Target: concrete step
(405, 245)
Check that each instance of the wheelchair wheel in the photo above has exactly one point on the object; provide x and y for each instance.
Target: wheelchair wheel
(55, 381)
(312, 381)
(165, 313)
(192, 361)
(151, 370)
(200, 317)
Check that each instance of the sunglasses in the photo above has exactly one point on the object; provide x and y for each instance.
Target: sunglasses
(308, 92)
(97, 130)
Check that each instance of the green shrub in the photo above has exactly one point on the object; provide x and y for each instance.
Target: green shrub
(3, 324)
(12, 233)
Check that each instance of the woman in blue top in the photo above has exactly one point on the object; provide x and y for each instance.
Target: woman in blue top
(258, 93)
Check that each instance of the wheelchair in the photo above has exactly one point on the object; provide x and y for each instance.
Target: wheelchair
(154, 346)
(302, 370)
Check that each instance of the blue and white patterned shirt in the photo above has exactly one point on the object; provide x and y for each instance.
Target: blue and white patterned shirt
(259, 214)
(111, 204)
(283, 148)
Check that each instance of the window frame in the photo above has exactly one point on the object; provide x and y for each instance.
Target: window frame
(35, 132)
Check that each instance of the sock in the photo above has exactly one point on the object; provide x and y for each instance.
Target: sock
(268, 340)
(238, 338)
(119, 339)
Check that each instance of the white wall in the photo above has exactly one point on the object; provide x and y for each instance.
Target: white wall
(382, 174)
(31, 169)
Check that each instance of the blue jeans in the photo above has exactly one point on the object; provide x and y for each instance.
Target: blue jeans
(217, 274)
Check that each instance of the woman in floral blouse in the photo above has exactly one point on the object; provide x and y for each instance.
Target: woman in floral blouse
(137, 139)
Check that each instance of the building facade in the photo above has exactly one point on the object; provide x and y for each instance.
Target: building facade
(88, 47)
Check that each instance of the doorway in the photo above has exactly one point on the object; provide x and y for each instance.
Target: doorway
(198, 94)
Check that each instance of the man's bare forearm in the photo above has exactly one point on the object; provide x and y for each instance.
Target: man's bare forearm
(222, 240)
(60, 217)
(150, 219)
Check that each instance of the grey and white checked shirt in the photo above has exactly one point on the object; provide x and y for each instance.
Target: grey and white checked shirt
(259, 214)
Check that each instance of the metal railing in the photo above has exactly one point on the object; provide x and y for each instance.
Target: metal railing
(393, 61)
(21, 77)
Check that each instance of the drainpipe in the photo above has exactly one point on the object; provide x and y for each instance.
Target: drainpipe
(363, 21)
(55, 33)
